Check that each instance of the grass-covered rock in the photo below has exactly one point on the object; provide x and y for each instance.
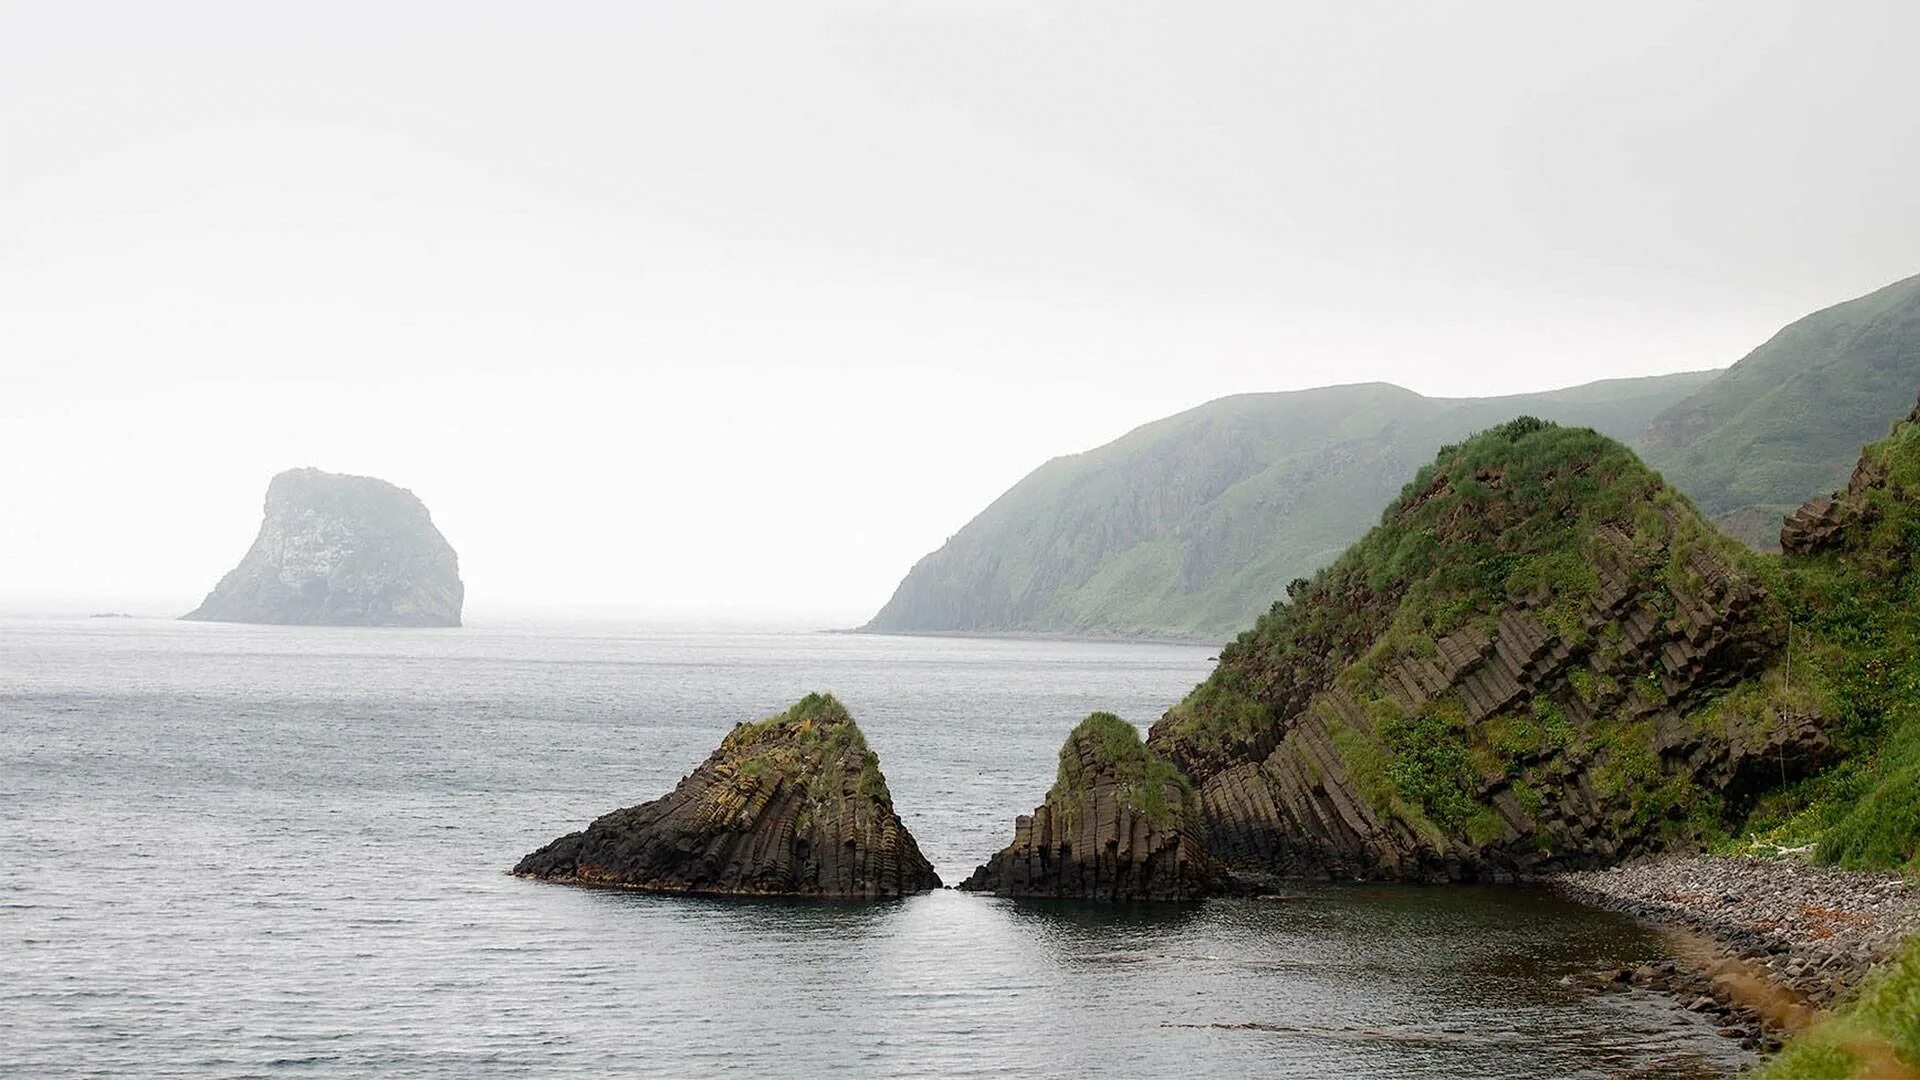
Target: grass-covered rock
(792, 805)
(1541, 655)
(1119, 823)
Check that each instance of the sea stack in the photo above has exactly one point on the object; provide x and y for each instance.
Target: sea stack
(793, 805)
(338, 550)
(1120, 823)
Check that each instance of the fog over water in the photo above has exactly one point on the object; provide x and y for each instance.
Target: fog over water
(736, 311)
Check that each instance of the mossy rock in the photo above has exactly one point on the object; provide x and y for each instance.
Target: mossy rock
(1519, 667)
(1119, 823)
(792, 805)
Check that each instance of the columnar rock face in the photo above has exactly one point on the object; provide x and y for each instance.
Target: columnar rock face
(1526, 665)
(1119, 824)
(339, 550)
(794, 805)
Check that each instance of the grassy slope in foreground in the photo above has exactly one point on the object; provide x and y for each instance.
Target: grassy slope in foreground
(1786, 423)
(1191, 525)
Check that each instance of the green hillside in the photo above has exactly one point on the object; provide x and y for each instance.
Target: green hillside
(1518, 667)
(1786, 422)
(1544, 656)
(1190, 526)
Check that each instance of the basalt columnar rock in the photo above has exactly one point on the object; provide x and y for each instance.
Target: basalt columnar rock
(1541, 657)
(793, 805)
(338, 550)
(1120, 823)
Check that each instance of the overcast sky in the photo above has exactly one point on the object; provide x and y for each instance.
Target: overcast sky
(739, 309)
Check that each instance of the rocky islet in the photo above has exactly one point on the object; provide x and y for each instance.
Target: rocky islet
(793, 805)
(1120, 823)
(339, 550)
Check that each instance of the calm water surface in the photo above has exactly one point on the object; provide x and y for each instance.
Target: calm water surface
(242, 851)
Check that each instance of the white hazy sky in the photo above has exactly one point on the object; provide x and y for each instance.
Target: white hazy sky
(738, 309)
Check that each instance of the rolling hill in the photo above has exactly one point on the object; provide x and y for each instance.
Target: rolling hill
(1787, 421)
(1192, 525)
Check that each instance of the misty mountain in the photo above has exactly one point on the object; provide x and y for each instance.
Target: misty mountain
(1193, 525)
(1785, 423)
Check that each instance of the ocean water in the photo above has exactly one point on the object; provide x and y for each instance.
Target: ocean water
(256, 851)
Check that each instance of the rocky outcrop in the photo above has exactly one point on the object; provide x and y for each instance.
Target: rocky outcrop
(793, 805)
(1575, 711)
(340, 550)
(1119, 824)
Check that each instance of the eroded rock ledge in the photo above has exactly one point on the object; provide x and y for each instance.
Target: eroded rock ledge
(1120, 823)
(794, 805)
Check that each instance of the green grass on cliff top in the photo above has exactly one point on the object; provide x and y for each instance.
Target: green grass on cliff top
(815, 742)
(1145, 777)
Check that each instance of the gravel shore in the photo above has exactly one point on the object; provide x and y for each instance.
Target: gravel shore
(1765, 942)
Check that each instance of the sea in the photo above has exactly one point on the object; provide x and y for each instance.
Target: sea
(245, 851)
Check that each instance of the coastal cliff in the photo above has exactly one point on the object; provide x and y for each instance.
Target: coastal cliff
(1541, 657)
(793, 805)
(337, 550)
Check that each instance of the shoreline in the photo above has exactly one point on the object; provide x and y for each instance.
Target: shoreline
(1765, 944)
(1041, 635)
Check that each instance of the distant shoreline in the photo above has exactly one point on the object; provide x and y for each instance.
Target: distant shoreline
(1036, 635)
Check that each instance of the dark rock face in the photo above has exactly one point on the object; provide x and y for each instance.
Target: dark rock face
(1113, 828)
(339, 550)
(793, 805)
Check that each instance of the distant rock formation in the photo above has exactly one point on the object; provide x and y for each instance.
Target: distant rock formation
(339, 550)
(1119, 824)
(793, 805)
